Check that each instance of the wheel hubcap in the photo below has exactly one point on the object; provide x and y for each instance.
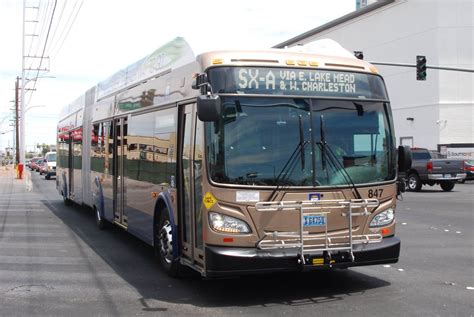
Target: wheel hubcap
(412, 183)
(166, 242)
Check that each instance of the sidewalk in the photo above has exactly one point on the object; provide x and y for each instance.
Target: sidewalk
(9, 180)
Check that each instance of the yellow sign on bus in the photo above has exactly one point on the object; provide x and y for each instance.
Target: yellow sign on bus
(209, 200)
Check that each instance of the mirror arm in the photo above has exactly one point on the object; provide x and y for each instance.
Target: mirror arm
(208, 86)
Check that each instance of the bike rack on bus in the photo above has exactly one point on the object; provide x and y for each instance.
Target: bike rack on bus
(314, 243)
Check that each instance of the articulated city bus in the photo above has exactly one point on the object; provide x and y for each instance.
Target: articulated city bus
(237, 162)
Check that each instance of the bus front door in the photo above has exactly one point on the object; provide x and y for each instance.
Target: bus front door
(190, 186)
(119, 155)
(70, 169)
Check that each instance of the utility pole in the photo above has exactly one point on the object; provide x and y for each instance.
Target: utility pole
(17, 134)
(22, 128)
(23, 74)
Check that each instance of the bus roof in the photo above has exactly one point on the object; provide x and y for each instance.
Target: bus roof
(176, 53)
(283, 58)
(323, 54)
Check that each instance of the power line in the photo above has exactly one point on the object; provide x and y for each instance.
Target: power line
(73, 15)
(35, 29)
(58, 24)
(46, 9)
(44, 47)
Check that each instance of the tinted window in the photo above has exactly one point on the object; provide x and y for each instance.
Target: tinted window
(421, 155)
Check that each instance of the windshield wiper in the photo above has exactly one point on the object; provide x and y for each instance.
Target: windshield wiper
(288, 168)
(323, 141)
(290, 163)
(327, 152)
(300, 118)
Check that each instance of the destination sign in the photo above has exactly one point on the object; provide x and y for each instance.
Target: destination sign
(290, 81)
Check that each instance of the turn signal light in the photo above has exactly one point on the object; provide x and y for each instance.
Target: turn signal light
(384, 231)
(373, 69)
(217, 61)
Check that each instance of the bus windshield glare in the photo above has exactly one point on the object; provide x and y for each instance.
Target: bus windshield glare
(278, 142)
(338, 131)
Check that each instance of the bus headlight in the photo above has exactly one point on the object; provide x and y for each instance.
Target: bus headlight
(384, 218)
(227, 224)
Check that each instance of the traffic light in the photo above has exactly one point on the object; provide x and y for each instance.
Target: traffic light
(420, 67)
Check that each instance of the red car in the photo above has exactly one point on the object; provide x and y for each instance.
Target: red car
(469, 170)
(31, 162)
(35, 165)
(42, 167)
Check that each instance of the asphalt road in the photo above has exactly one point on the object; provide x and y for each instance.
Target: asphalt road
(54, 261)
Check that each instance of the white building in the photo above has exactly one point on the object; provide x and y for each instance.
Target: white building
(432, 113)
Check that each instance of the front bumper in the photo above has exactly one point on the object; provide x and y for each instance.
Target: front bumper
(225, 261)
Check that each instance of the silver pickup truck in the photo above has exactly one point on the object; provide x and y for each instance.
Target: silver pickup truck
(426, 170)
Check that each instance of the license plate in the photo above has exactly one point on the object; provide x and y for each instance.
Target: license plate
(314, 220)
(447, 175)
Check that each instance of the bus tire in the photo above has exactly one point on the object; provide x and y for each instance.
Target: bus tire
(414, 183)
(163, 244)
(447, 186)
(99, 220)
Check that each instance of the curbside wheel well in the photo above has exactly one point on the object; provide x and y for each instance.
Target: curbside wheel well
(160, 206)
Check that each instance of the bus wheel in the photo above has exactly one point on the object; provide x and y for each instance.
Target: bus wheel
(163, 244)
(447, 186)
(414, 183)
(100, 222)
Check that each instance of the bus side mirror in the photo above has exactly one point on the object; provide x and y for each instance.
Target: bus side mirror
(209, 108)
(404, 158)
(404, 164)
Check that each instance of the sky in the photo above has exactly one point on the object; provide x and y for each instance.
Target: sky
(89, 40)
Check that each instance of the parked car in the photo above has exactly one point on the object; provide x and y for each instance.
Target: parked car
(35, 165)
(469, 170)
(49, 167)
(426, 170)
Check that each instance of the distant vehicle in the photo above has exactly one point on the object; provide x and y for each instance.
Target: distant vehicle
(426, 170)
(35, 165)
(49, 167)
(469, 170)
(42, 168)
(31, 162)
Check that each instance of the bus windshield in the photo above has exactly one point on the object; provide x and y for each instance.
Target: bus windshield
(278, 141)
